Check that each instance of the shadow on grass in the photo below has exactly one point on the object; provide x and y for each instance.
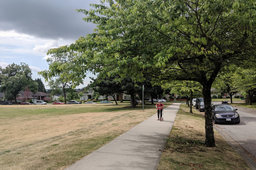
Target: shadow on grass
(185, 145)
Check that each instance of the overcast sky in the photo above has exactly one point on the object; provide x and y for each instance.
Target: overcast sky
(29, 28)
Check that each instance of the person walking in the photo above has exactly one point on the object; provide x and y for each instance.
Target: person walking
(159, 107)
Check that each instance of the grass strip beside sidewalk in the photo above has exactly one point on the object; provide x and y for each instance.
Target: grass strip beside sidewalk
(185, 147)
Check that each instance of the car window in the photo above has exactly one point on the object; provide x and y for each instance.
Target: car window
(224, 108)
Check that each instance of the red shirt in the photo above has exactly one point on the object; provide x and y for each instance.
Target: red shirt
(159, 106)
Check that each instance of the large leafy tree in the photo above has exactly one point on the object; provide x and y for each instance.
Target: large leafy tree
(65, 69)
(203, 37)
(225, 82)
(16, 78)
(109, 86)
(245, 82)
(190, 89)
(41, 87)
(179, 39)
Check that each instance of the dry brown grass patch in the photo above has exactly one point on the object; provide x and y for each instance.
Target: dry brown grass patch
(53, 142)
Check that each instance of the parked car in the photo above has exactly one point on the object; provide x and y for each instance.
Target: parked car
(5, 103)
(73, 102)
(24, 103)
(161, 100)
(57, 102)
(225, 113)
(194, 102)
(90, 102)
(201, 107)
(106, 101)
(224, 102)
(200, 104)
(40, 102)
(154, 100)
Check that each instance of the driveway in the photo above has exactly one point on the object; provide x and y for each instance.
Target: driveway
(242, 136)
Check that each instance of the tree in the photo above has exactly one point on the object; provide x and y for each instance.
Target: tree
(179, 39)
(41, 87)
(65, 69)
(225, 82)
(185, 88)
(16, 78)
(72, 94)
(108, 86)
(245, 82)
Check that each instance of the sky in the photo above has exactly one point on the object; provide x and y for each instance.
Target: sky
(29, 28)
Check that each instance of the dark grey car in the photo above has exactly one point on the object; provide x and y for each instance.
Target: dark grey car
(200, 104)
(73, 102)
(225, 113)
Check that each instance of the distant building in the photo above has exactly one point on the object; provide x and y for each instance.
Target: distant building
(56, 97)
(27, 95)
(87, 95)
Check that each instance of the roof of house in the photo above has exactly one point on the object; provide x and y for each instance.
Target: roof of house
(40, 94)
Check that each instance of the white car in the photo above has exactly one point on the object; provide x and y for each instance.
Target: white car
(40, 102)
(161, 100)
(194, 102)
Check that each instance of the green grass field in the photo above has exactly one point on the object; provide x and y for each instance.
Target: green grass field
(13, 111)
(235, 100)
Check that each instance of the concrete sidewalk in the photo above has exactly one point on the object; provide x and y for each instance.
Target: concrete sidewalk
(138, 149)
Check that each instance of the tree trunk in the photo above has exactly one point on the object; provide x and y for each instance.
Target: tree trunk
(122, 100)
(115, 99)
(231, 99)
(152, 101)
(133, 101)
(64, 94)
(250, 97)
(15, 99)
(209, 133)
(190, 101)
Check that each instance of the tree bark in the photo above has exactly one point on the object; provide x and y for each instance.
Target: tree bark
(231, 99)
(152, 101)
(190, 101)
(250, 93)
(15, 99)
(209, 133)
(115, 99)
(64, 94)
(133, 101)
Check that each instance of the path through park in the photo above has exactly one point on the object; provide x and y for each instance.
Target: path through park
(138, 149)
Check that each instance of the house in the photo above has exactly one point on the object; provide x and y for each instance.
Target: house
(24, 96)
(27, 95)
(88, 95)
(56, 97)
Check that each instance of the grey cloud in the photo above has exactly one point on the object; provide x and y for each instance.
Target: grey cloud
(46, 18)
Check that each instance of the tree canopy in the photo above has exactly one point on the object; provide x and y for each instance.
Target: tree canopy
(168, 40)
(15, 78)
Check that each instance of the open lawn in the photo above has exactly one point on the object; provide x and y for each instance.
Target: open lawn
(55, 136)
(185, 148)
(235, 100)
(253, 106)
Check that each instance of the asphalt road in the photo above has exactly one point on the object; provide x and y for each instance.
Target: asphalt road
(242, 136)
